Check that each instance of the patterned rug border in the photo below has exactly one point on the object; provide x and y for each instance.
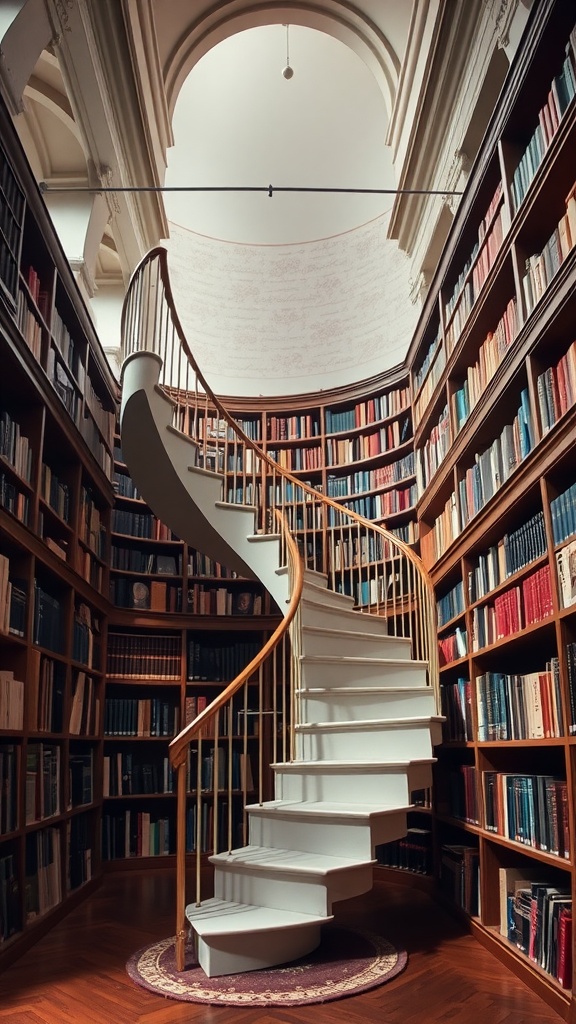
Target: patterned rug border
(331, 974)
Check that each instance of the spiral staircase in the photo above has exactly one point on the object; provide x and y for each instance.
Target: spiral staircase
(360, 713)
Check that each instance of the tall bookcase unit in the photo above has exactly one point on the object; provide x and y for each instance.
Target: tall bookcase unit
(57, 414)
(167, 659)
(494, 380)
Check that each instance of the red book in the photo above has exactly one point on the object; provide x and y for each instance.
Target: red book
(564, 953)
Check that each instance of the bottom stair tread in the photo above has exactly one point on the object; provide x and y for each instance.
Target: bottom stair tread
(221, 917)
(323, 808)
(295, 861)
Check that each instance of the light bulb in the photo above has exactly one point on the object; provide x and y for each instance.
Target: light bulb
(288, 71)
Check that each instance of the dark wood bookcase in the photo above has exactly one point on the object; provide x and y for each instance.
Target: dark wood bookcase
(58, 404)
(494, 385)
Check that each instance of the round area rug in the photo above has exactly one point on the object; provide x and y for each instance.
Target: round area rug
(346, 963)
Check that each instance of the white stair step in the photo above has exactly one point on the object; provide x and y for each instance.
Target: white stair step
(289, 879)
(315, 593)
(402, 737)
(353, 642)
(334, 672)
(233, 937)
(353, 829)
(361, 703)
(316, 613)
(378, 781)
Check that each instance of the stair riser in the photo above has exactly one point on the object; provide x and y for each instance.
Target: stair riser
(333, 674)
(348, 839)
(336, 707)
(351, 646)
(388, 788)
(290, 892)
(327, 617)
(356, 744)
(235, 954)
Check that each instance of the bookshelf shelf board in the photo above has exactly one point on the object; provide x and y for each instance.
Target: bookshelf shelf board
(523, 960)
(455, 664)
(450, 623)
(541, 741)
(529, 851)
(460, 823)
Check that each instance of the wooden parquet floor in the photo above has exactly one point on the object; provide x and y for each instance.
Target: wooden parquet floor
(76, 973)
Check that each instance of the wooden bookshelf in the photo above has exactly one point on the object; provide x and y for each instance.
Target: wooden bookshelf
(494, 383)
(53, 612)
(167, 658)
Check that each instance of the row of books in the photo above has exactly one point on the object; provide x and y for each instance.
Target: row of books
(124, 486)
(293, 428)
(536, 916)
(55, 492)
(134, 559)
(105, 419)
(202, 565)
(451, 604)
(91, 433)
(445, 529)
(126, 774)
(66, 344)
(85, 706)
(460, 876)
(412, 853)
(490, 355)
(560, 95)
(379, 407)
(362, 549)
(46, 692)
(141, 716)
(541, 266)
(139, 524)
(293, 459)
(520, 707)
(340, 451)
(43, 781)
(86, 636)
(219, 662)
(456, 704)
(513, 552)
(370, 480)
(571, 665)
(563, 514)
(433, 452)
(48, 622)
(513, 610)
(92, 525)
(28, 324)
(458, 794)
(144, 656)
(39, 294)
(81, 777)
(379, 506)
(13, 499)
(453, 646)
(475, 270)
(434, 361)
(43, 882)
(132, 833)
(529, 809)
(15, 447)
(556, 387)
(495, 464)
(9, 765)
(67, 389)
(566, 566)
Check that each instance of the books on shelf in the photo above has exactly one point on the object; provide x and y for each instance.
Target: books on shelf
(566, 566)
(15, 447)
(460, 875)
(490, 355)
(556, 389)
(528, 809)
(453, 646)
(541, 266)
(520, 707)
(456, 701)
(371, 410)
(143, 656)
(495, 464)
(413, 853)
(451, 604)
(141, 716)
(43, 885)
(433, 452)
(563, 514)
(513, 552)
(9, 772)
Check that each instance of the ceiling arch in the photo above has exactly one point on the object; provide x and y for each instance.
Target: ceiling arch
(341, 20)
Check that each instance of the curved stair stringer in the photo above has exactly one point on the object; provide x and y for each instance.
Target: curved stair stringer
(185, 497)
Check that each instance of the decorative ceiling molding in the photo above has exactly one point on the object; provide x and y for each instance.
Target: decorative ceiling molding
(342, 20)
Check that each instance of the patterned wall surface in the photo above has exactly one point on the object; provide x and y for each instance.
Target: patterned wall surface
(284, 319)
